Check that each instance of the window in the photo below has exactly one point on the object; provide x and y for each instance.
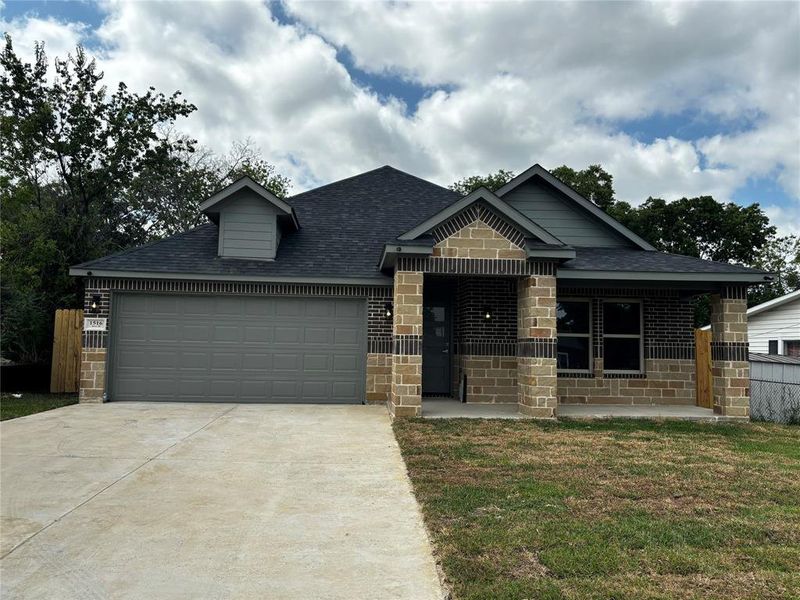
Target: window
(791, 348)
(622, 336)
(772, 346)
(573, 325)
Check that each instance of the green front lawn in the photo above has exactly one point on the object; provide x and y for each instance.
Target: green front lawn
(28, 404)
(609, 509)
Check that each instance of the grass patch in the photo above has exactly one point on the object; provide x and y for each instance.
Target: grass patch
(28, 404)
(609, 509)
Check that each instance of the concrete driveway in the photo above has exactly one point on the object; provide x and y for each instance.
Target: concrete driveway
(135, 500)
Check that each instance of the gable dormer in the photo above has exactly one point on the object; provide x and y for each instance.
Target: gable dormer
(250, 220)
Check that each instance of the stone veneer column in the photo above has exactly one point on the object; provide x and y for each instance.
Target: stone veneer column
(729, 352)
(536, 346)
(405, 399)
(93, 354)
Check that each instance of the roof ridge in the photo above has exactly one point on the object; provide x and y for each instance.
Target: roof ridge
(89, 263)
(382, 168)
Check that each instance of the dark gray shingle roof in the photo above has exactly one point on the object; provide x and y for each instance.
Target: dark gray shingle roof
(343, 227)
(634, 260)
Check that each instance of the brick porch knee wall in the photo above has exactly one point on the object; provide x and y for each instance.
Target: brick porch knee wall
(668, 337)
(485, 349)
(490, 379)
(405, 397)
(729, 352)
(536, 348)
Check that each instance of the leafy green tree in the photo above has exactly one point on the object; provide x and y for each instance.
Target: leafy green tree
(69, 148)
(780, 255)
(491, 181)
(84, 173)
(593, 183)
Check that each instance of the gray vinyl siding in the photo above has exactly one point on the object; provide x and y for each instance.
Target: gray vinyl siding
(548, 209)
(247, 228)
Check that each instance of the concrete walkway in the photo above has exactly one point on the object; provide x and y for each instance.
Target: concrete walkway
(640, 411)
(134, 500)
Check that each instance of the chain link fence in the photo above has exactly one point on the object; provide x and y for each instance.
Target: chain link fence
(775, 401)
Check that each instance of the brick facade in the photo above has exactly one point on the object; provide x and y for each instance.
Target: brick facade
(536, 333)
(729, 361)
(93, 375)
(668, 338)
(405, 398)
(508, 358)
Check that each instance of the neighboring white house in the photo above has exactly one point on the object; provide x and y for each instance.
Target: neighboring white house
(774, 327)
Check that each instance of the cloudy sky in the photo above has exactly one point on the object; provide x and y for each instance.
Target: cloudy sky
(674, 99)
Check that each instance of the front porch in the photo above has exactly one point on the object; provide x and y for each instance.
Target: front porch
(496, 346)
(483, 312)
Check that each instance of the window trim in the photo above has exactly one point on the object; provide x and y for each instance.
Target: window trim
(588, 336)
(784, 342)
(628, 336)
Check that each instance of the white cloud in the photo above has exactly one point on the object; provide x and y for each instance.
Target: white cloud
(787, 221)
(528, 82)
(60, 37)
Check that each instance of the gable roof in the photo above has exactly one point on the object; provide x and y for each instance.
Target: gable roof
(482, 195)
(344, 227)
(774, 303)
(213, 204)
(582, 203)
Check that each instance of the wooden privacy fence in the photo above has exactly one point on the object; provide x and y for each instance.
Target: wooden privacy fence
(702, 353)
(65, 372)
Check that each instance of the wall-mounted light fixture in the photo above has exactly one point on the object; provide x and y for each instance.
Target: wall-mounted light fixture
(95, 305)
(487, 313)
(388, 310)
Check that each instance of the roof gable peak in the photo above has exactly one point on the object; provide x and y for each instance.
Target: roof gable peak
(482, 195)
(583, 204)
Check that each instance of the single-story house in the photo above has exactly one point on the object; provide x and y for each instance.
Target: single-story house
(773, 327)
(385, 288)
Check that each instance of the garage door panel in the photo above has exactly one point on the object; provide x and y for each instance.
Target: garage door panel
(226, 361)
(285, 391)
(346, 310)
(316, 362)
(320, 308)
(343, 363)
(258, 334)
(346, 336)
(163, 332)
(342, 390)
(286, 362)
(284, 308)
(234, 348)
(133, 332)
(315, 391)
(159, 306)
(256, 362)
(317, 335)
(201, 306)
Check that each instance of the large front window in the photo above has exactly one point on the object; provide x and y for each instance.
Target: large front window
(573, 323)
(622, 336)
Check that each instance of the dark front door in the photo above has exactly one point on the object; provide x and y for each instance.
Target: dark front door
(436, 349)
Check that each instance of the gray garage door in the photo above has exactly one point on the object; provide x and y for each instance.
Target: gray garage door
(237, 349)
